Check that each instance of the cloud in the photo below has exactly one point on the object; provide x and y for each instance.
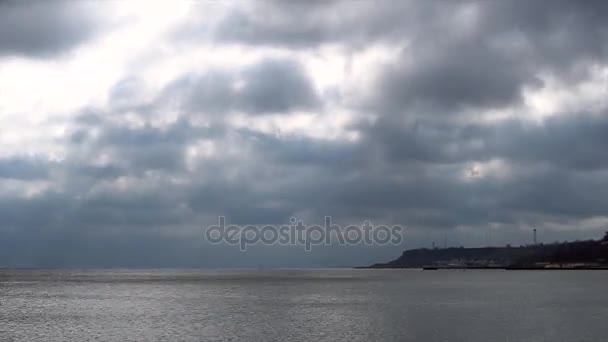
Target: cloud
(455, 76)
(271, 86)
(23, 168)
(424, 114)
(38, 29)
(305, 24)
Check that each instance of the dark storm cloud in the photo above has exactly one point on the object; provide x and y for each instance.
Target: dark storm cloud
(276, 86)
(42, 28)
(268, 87)
(424, 141)
(558, 31)
(301, 177)
(576, 141)
(478, 54)
(570, 27)
(303, 151)
(459, 75)
(442, 197)
(17, 212)
(411, 172)
(132, 150)
(489, 66)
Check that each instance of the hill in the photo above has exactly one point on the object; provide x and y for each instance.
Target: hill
(578, 254)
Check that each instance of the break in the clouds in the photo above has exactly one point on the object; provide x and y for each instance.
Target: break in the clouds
(127, 127)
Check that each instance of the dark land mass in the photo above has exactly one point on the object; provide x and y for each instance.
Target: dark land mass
(591, 254)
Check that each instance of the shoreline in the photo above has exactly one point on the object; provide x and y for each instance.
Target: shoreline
(505, 268)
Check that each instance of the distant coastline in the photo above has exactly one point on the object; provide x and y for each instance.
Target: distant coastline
(577, 255)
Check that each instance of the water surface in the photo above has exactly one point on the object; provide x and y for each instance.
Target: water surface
(303, 305)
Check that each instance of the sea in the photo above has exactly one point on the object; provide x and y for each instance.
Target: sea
(303, 305)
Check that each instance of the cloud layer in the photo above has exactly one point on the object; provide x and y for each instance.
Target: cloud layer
(128, 128)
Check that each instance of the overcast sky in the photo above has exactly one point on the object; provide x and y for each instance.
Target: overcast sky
(126, 127)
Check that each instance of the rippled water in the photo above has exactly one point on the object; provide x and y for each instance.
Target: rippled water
(303, 305)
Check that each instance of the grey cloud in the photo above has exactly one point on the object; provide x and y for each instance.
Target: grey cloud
(424, 141)
(303, 178)
(23, 168)
(510, 43)
(276, 86)
(280, 27)
(558, 31)
(457, 76)
(133, 150)
(270, 86)
(409, 166)
(574, 141)
(308, 24)
(39, 29)
(304, 152)
(449, 61)
(571, 141)
(562, 26)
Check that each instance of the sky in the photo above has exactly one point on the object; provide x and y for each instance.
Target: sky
(127, 127)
